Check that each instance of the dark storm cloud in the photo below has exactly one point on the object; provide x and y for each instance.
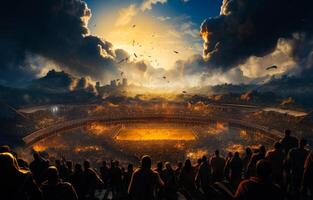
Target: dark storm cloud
(56, 30)
(252, 28)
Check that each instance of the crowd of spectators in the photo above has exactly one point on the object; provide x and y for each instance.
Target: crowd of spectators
(284, 172)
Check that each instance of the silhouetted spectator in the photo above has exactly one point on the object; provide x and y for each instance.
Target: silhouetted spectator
(246, 160)
(187, 179)
(178, 169)
(55, 189)
(170, 181)
(5, 149)
(91, 181)
(38, 167)
(251, 171)
(116, 180)
(296, 159)
(105, 174)
(144, 181)
(288, 142)
(217, 164)
(77, 180)
(227, 165)
(235, 168)
(127, 176)
(16, 183)
(261, 186)
(307, 183)
(159, 169)
(204, 175)
(276, 158)
(62, 170)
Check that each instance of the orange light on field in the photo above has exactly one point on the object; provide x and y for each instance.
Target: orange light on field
(97, 128)
(144, 134)
(87, 148)
(221, 126)
(39, 147)
(243, 133)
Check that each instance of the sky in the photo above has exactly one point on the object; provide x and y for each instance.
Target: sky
(152, 30)
(166, 44)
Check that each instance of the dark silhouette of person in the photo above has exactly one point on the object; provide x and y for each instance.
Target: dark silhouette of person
(170, 181)
(69, 170)
(105, 174)
(218, 164)
(288, 142)
(38, 167)
(144, 181)
(187, 179)
(295, 160)
(260, 187)
(276, 157)
(127, 177)
(5, 149)
(178, 169)
(227, 165)
(91, 181)
(246, 160)
(307, 182)
(16, 183)
(55, 189)
(116, 180)
(77, 180)
(159, 169)
(204, 175)
(235, 168)
(251, 171)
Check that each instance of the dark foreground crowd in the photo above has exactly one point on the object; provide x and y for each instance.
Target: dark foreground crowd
(285, 172)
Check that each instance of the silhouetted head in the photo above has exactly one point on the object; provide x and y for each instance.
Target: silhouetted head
(69, 164)
(57, 163)
(263, 169)
(287, 133)
(146, 162)
(86, 164)
(168, 166)
(117, 163)
(52, 174)
(36, 156)
(8, 164)
(302, 143)
(204, 158)
(277, 146)
(217, 153)
(78, 167)
(5, 149)
(160, 165)
(230, 154)
(248, 151)
(188, 165)
(262, 150)
(130, 167)
(236, 155)
(179, 164)
(104, 163)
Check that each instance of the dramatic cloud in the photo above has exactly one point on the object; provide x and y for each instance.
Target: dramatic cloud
(252, 28)
(147, 4)
(53, 29)
(126, 14)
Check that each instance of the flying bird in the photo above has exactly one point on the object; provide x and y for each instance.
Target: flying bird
(272, 67)
(134, 25)
(184, 92)
(164, 77)
(176, 52)
(135, 55)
